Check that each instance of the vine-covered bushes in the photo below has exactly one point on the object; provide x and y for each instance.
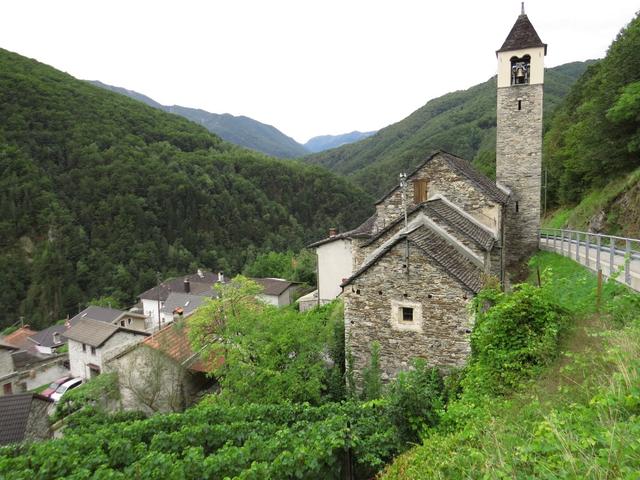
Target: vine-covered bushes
(513, 338)
(217, 440)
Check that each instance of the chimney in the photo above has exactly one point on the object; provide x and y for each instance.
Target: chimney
(221, 277)
(333, 232)
(187, 286)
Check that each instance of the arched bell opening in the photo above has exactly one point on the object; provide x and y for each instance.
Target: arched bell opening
(520, 70)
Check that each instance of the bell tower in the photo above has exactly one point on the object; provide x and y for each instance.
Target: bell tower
(519, 136)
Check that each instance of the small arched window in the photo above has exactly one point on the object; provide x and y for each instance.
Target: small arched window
(520, 70)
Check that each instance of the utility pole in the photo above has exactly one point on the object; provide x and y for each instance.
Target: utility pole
(159, 287)
(403, 190)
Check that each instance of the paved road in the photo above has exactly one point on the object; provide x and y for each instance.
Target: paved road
(589, 258)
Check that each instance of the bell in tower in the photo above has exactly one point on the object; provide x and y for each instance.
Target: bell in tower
(520, 70)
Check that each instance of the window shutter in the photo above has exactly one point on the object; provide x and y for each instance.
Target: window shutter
(419, 191)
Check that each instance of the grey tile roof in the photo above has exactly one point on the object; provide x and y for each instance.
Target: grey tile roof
(448, 257)
(201, 282)
(45, 337)
(365, 229)
(95, 333)
(464, 168)
(274, 286)
(440, 251)
(459, 222)
(186, 301)
(14, 416)
(439, 209)
(102, 314)
(522, 35)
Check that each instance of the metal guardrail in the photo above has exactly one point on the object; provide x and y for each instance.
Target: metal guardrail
(609, 245)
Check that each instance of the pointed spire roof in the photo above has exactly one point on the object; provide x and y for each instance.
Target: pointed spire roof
(522, 35)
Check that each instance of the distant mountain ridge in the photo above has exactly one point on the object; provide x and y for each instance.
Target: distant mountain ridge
(241, 130)
(461, 122)
(327, 142)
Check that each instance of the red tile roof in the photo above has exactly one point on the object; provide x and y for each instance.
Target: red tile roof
(20, 338)
(174, 342)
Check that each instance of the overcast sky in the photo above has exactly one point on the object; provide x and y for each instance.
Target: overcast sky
(308, 67)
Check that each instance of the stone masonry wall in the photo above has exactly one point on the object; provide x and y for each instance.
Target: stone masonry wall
(446, 181)
(518, 165)
(440, 334)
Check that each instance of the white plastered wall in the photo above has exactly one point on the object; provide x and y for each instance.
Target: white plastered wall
(334, 265)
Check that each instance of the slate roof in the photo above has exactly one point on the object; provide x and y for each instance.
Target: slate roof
(45, 337)
(199, 283)
(95, 333)
(448, 257)
(447, 213)
(460, 222)
(365, 229)
(522, 35)
(464, 168)
(189, 303)
(274, 286)
(14, 416)
(20, 338)
(440, 250)
(174, 342)
(101, 314)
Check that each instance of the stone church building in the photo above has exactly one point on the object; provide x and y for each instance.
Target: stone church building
(408, 273)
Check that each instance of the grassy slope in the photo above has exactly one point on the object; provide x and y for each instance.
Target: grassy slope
(461, 122)
(579, 419)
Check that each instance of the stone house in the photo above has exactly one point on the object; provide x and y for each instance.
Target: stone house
(410, 270)
(24, 417)
(162, 373)
(89, 339)
(8, 373)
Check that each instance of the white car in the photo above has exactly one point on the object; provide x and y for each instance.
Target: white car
(68, 385)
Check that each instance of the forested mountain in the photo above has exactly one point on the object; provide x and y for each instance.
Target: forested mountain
(462, 122)
(326, 142)
(99, 192)
(595, 134)
(241, 130)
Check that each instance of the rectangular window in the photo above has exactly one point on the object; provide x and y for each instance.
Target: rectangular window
(419, 191)
(84, 348)
(93, 350)
(407, 314)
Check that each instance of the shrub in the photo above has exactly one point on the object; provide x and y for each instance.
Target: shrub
(415, 400)
(513, 338)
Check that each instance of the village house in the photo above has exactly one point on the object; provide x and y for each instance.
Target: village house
(89, 339)
(181, 305)
(153, 300)
(31, 368)
(409, 272)
(162, 373)
(8, 373)
(276, 291)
